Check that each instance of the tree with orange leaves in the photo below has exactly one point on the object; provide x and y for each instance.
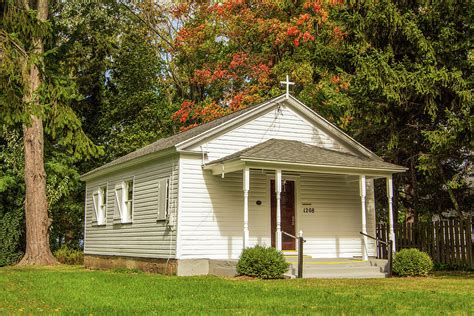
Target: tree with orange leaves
(226, 55)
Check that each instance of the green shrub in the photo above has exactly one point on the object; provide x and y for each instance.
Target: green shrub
(262, 262)
(69, 256)
(11, 237)
(412, 262)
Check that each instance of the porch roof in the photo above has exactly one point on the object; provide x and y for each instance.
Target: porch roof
(299, 153)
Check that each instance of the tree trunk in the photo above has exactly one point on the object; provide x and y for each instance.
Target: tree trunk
(38, 251)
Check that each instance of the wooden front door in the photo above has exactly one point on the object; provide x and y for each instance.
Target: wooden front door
(288, 219)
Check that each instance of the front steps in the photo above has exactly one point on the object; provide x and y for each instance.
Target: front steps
(337, 268)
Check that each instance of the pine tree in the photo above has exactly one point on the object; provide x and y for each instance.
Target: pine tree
(31, 96)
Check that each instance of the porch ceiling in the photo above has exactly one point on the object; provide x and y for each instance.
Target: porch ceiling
(298, 156)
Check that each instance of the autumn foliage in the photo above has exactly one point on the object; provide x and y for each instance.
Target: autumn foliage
(236, 52)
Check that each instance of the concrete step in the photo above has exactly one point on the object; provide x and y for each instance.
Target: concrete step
(349, 266)
(382, 263)
(329, 263)
(351, 275)
(339, 268)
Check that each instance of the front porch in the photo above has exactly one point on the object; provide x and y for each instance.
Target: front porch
(325, 195)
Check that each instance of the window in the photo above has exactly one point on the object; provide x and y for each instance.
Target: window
(124, 201)
(100, 205)
(163, 198)
(128, 201)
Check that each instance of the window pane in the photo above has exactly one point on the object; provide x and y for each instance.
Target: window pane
(104, 195)
(129, 190)
(129, 208)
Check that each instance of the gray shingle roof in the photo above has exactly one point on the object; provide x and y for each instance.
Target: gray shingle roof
(173, 140)
(291, 151)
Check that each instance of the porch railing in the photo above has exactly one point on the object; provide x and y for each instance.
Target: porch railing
(301, 241)
(389, 244)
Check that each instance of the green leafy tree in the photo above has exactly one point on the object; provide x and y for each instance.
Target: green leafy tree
(118, 70)
(410, 73)
(398, 76)
(12, 190)
(222, 56)
(34, 95)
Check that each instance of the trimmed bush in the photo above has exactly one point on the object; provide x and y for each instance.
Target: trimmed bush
(262, 262)
(412, 262)
(69, 256)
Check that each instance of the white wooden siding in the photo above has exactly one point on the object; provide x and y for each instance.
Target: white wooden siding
(282, 123)
(333, 230)
(144, 237)
(211, 213)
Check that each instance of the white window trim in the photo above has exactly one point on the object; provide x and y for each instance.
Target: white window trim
(122, 207)
(132, 180)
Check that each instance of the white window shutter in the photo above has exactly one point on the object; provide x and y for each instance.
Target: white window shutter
(95, 202)
(162, 198)
(119, 194)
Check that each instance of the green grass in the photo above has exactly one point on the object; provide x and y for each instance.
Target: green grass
(74, 290)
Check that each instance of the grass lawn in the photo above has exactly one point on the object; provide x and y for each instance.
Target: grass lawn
(76, 290)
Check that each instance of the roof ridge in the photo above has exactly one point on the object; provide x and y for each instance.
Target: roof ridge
(263, 145)
(334, 150)
(172, 140)
(252, 147)
(203, 125)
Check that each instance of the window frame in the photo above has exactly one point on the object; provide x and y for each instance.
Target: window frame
(125, 200)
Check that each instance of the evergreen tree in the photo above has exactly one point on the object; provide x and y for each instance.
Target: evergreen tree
(410, 69)
(32, 95)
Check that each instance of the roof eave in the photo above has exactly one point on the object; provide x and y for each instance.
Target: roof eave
(104, 170)
(238, 162)
(336, 131)
(217, 129)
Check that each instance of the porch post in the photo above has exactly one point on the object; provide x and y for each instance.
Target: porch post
(390, 210)
(363, 194)
(278, 208)
(246, 183)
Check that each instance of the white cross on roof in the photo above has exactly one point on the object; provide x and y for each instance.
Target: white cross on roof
(288, 83)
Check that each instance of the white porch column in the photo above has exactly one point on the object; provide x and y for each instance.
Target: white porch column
(246, 183)
(390, 209)
(363, 194)
(278, 208)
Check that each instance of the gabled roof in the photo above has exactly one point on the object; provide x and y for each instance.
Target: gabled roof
(172, 141)
(291, 151)
(184, 140)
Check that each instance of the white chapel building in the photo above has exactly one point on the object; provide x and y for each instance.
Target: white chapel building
(188, 204)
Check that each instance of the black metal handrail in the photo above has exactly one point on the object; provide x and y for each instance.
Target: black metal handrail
(301, 241)
(389, 243)
(289, 235)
